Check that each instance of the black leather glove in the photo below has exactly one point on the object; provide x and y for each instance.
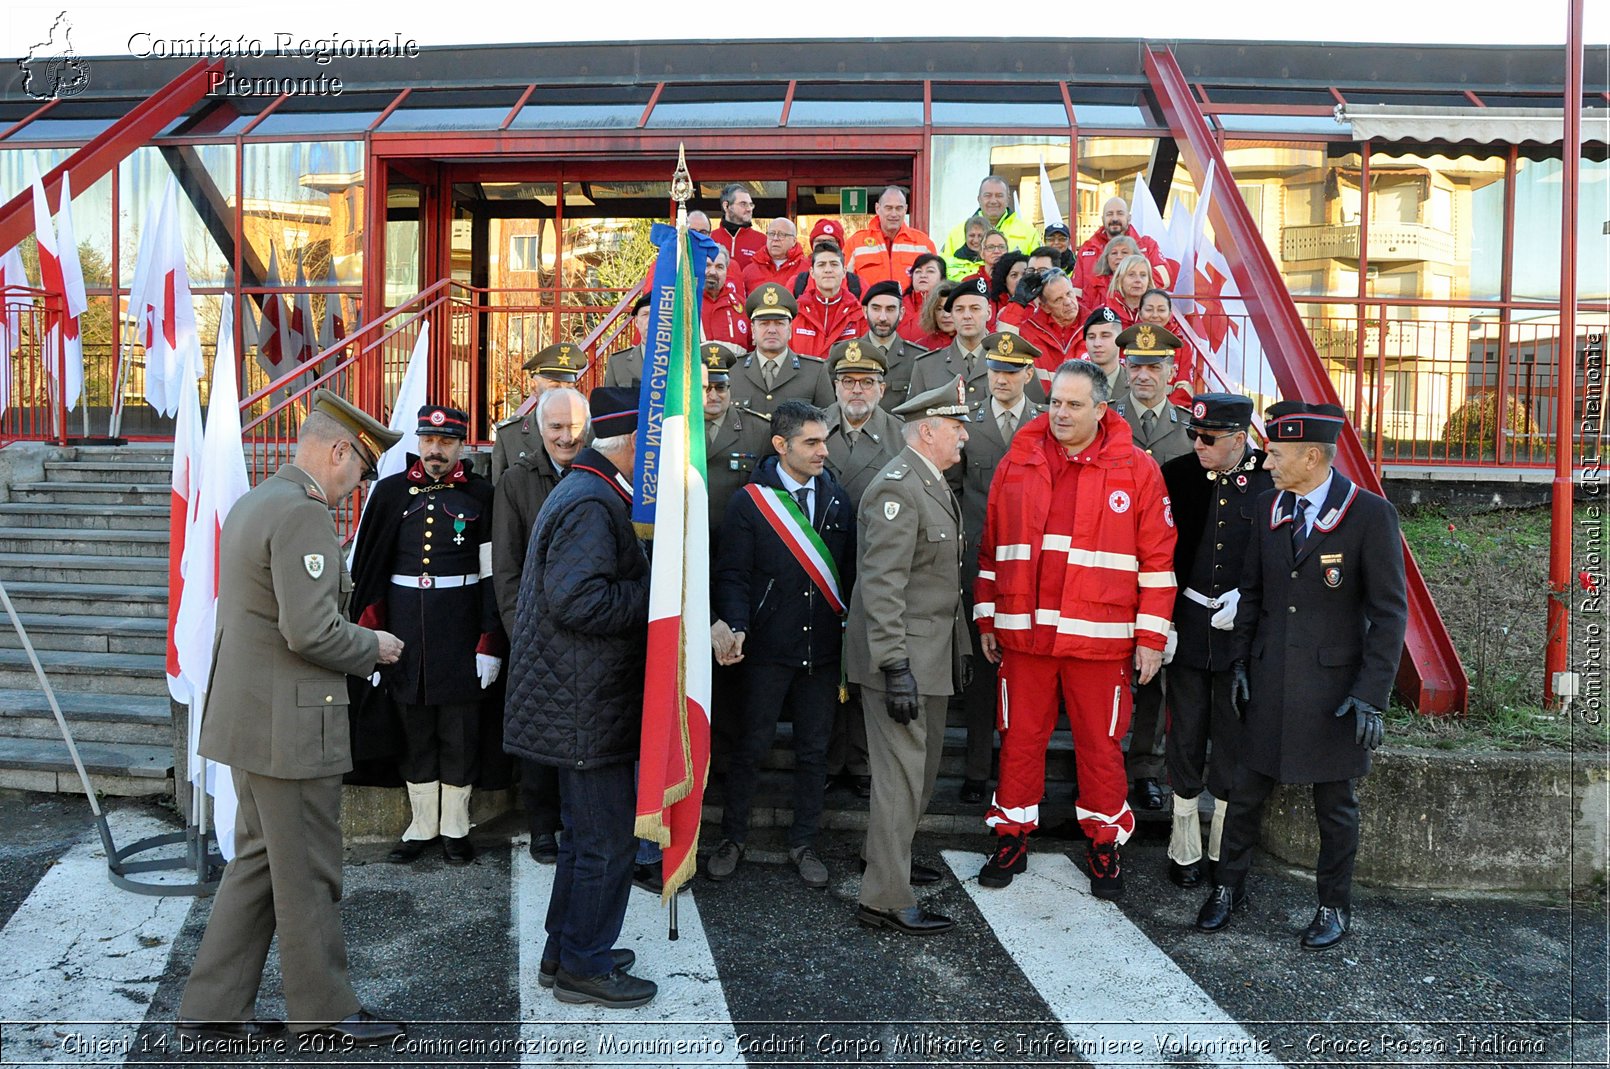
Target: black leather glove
(1240, 690)
(1370, 725)
(1028, 288)
(967, 671)
(901, 686)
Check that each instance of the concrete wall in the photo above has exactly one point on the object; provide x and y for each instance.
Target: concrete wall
(1495, 822)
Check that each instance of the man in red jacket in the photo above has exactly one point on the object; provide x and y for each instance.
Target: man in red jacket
(828, 314)
(737, 233)
(723, 317)
(780, 261)
(885, 251)
(1075, 590)
(1052, 324)
(1115, 221)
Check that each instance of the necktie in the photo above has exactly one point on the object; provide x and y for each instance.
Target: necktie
(1008, 426)
(710, 432)
(768, 371)
(1148, 424)
(803, 496)
(969, 362)
(1299, 526)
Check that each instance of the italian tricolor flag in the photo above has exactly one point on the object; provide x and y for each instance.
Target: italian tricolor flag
(675, 754)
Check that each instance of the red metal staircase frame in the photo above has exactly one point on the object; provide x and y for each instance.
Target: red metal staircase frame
(103, 152)
(1430, 676)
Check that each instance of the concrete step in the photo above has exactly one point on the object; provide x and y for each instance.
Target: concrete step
(143, 720)
(89, 633)
(115, 768)
(137, 451)
(95, 517)
(94, 673)
(68, 540)
(109, 470)
(93, 599)
(83, 568)
(65, 493)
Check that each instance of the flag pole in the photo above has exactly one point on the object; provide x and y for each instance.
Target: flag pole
(681, 192)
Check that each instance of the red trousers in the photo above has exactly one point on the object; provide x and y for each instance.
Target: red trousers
(1098, 701)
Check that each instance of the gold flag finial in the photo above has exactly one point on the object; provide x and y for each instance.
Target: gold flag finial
(681, 181)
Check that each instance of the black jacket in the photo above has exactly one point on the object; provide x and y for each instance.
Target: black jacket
(761, 589)
(1318, 628)
(575, 695)
(1214, 521)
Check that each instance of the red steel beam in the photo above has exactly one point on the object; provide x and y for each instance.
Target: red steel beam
(1430, 676)
(104, 151)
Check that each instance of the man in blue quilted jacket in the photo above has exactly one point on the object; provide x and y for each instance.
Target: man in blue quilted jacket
(575, 701)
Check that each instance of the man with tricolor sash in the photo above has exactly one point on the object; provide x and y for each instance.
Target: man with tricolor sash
(781, 584)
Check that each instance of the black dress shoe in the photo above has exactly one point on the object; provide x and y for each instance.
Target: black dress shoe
(1148, 794)
(1185, 875)
(241, 1030)
(648, 877)
(618, 990)
(1328, 928)
(1221, 902)
(913, 920)
(972, 791)
(921, 875)
(545, 848)
(862, 785)
(408, 851)
(620, 957)
(459, 851)
(364, 1029)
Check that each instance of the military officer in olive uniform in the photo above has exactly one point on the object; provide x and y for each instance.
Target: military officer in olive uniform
(883, 306)
(1318, 639)
(1212, 491)
(861, 439)
(423, 566)
(277, 716)
(1159, 428)
(773, 373)
(1009, 366)
(907, 645)
(562, 364)
(625, 368)
(736, 440)
(969, 306)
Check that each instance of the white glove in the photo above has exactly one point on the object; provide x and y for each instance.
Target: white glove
(1224, 619)
(488, 667)
(374, 680)
(1170, 644)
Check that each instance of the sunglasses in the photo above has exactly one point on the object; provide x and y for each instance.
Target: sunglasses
(1206, 439)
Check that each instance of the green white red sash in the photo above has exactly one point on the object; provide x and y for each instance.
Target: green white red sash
(784, 515)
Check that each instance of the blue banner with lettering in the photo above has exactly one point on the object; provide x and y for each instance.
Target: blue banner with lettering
(675, 299)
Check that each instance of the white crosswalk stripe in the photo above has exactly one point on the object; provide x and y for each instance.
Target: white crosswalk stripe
(82, 957)
(1122, 1001)
(688, 1022)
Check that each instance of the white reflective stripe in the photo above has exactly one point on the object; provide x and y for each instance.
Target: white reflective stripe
(1073, 625)
(999, 815)
(1145, 622)
(1006, 707)
(1159, 579)
(983, 610)
(1015, 551)
(1090, 558)
(990, 575)
(1112, 820)
(486, 559)
(1054, 543)
(907, 247)
(1011, 621)
(1112, 728)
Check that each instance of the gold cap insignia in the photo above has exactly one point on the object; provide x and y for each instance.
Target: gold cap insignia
(770, 298)
(714, 357)
(1146, 339)
(853, 350)
(564, 356)
(1005, 346)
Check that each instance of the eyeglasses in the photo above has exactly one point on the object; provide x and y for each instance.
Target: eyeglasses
(1207, 439)
(859, 384)
(719, 387)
